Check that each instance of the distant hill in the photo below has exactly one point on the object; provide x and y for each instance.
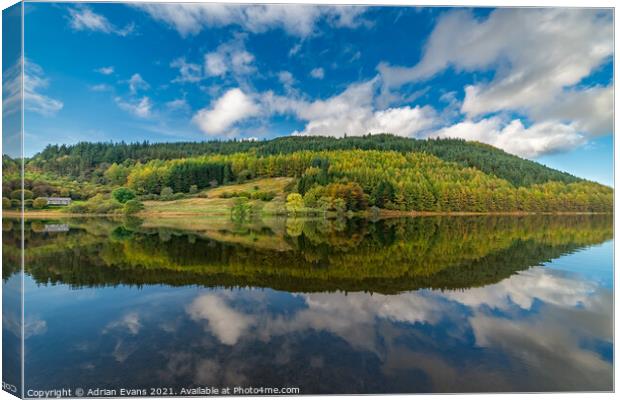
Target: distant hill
(82, 158)
(351, 174)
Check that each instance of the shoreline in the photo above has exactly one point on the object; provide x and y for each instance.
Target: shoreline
(382, 214)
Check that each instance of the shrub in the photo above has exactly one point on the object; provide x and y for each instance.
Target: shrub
(166, 193)
(105, 207)
(17, 194)
(28, 203)
(95, 205)
(294, 202)
(149, 197)
(78, 208)
(39, 203)
(15, 203)
(123, 195)
(290, 186)
(312, 196)
(230, 195)
(193, 189)
(42, 190)
(244, 175)
(6, 202)
(133, 206)
(262, 195)
(241, 209)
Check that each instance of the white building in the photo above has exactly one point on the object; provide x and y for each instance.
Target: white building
(58, 201)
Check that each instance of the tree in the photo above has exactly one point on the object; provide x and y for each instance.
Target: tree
(39, 203)
(166, 193)
(123, 195)
(312, 196)
(6, 202)
(133, 206)
(17, 194)
(294, 203)
(116, 174)
(241, 209)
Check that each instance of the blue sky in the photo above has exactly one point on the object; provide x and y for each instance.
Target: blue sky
(534, 82)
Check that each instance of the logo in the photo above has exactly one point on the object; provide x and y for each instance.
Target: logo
(8, 387)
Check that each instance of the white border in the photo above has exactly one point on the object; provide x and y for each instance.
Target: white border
(476, 3)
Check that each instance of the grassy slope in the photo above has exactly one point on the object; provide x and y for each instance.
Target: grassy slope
(215, 205)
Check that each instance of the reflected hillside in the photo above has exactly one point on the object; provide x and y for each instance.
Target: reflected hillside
(298, 255)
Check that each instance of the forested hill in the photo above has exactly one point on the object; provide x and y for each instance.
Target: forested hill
(83, 158)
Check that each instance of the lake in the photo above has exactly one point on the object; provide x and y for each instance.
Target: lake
(429, 304)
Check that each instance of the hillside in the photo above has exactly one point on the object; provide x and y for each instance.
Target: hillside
(84, 158)
(360, 175)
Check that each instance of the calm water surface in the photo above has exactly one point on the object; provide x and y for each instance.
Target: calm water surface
(452, 304)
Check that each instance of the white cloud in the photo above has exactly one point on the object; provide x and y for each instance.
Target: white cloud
(536, 55)
(136, 82)
(188, 72)
(227, 324)
(139, 107)
(82, 18)
(286, 79)
(129, 322)
(527, 43)
(353, 316)
(215, 64)
(540, 138)
(34, 82)
(241, 62)
(230, 58)
(541, 338)
(352, 112)
(296, 20)
(178, 104)
(294, 50)
(11, 89)
(106, 70)
(102, 87)
(34, 326)
(232, 107)
(317, 73)
(523, 288)
(591, 110)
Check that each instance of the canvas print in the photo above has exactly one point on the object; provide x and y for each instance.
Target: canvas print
(291, 199)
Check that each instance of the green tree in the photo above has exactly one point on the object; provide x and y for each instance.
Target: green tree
(132, 207)
(241, 209)
(123, 195)
(116, 174)
(17, 194)
(294, 203)
(39, 203)
(166, 193)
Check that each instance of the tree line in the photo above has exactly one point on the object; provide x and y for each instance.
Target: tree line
(415, 181)
(89, 160)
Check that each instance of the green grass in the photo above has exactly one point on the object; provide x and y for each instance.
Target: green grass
(276, 185)
(215, 205)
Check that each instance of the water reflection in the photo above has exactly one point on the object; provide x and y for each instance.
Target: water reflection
(419, 305)
(304, 256)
